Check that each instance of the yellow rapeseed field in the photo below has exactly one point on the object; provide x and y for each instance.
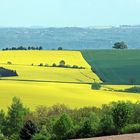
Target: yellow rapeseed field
(22, 61)
(52, 74)
(74, 95)
(46, 57)
(50, 85)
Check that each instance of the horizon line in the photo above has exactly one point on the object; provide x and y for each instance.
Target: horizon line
(94, 26)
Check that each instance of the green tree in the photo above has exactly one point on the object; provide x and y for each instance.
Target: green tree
(41, 64)
(39, 137)
(136, 113)
(15, 117)
(96, 86)
(60, 48)
(62, 63)
(107, 126)
(54, 65)
(40, 48)
(122, 114)
(14, 137)
(63, 125)
(9, 63)
(120, 45)
(28, 131)
(42, 135)
(2, 120)
(2, 136)
(89, 126)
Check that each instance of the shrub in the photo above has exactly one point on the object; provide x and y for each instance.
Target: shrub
(62, 63)
(14, 137)
(40, 48)
(39, 137)
(2, 136)
(121, 113)
(57, 110)
(9, 62)
(71, 134)
(41, 64)
(54, 65)
(63, 125)
(81, 67)
(46, 65)
(107, 126)
(53, 137)
(75, 67)
(133, 89)
(89, 126)
(131, 128)
(96, 86)
(60, 48)
(68, 66)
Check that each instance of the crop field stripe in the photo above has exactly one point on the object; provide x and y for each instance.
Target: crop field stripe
(42, 81)
(115, 66)
(89, 58)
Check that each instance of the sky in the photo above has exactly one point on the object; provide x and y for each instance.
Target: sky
(69, 13)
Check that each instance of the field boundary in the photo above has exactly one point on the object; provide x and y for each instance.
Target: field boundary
(117, 137)
(45, 81)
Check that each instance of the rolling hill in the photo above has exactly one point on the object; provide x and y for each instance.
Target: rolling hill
(39, 85)
(69, 38)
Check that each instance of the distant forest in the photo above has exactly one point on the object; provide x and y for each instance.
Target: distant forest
(23, 48)
(69, 38)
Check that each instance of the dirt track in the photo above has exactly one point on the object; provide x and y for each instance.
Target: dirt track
(120, 137)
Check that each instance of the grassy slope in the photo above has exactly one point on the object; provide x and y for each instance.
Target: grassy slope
(22, 60)
(115, 66)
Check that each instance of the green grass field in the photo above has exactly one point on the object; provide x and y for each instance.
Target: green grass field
(115, 66)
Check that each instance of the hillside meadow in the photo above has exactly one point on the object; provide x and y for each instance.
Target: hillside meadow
(40, 85)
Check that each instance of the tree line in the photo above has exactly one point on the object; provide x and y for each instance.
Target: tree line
(62, 64)
(61, 123)
(28, 48)
(117, 45)
(24, 48)
(7, 72)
